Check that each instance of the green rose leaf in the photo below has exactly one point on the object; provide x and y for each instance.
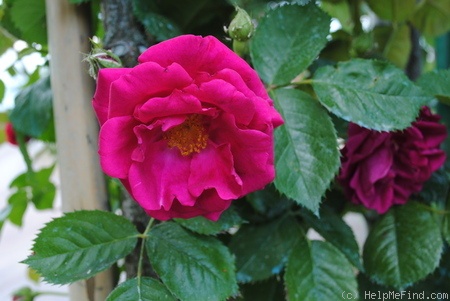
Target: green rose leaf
(395, 42)
(81, 244)
(262, 250)
(436, 84)
(393, 10)
(331, 227)
(19, 203)
(432, 18)
(2, 90)
(154, 23)
(306, 151)
(403, 247)
(373, 94)
(201, 225)
(287, 41)
(317, 271)
(33, 111)
(142, 289)
(193, 267)
(29, 17)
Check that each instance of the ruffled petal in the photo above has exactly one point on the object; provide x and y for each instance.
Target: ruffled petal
(100, 102)
(116, 145)
(227, 98)
(160, 178)
(144, 82)
(176, 103)
(252, 152)
(213, 168)
(208, 205)
(197, 54)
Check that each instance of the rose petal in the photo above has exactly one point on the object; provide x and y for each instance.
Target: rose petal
(227, 98)
(116, 145)
(209, 205)
(213, 168)
(252, 152)
(197, 54)
(144, 82)
(176, 103)
(161, 177)
(101, 98)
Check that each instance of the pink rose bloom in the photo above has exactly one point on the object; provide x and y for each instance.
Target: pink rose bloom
(188, 130)
(382, 169)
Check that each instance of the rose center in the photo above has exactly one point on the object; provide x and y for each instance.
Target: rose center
(188, 137)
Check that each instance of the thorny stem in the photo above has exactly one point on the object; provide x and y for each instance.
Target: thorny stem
(144, 236)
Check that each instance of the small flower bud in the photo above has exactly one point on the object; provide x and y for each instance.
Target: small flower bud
(241, 27)
(12, 135)
(101, 58)
(23, 294)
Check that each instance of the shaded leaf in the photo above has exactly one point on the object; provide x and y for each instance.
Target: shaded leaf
(287, 41)
(262, 250)
(331, 227)
(81, 244)
(2, 90)
(29, 17)
(432, 18)
(201, 225)
(156, 24)
(436, 84)
(316, 270)
(373, 94)
(306, 152)
(395, 43)
(18, 202)
(33, 111)
(403, 247)
(393, 10)
(143, 289)
(193, 267)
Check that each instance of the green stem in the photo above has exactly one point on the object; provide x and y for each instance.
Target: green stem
(49, 293)
(141, 254)
(434, 210)
(23, 149)
(355, 7)
(294, 84)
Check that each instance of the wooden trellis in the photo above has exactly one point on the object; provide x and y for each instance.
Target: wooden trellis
(82, 182)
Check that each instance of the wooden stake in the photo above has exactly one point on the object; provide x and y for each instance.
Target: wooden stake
(82, 181)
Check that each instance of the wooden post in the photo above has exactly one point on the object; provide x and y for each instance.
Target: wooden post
(82, 181)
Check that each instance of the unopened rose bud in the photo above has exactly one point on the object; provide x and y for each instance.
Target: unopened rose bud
(101, 58)
(23, 294)
(11, 135)
(241, 27)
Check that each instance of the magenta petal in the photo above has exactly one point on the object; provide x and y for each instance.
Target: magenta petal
(144, 82)
(197, 54)
(209, 205)
(379, 164)
(176, 103)
(252, 152)
(160, 178)
(116, 145)
(227, 98)
(213, 168)
(100, 101)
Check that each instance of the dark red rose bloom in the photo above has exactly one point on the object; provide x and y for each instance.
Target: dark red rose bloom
(382, 169)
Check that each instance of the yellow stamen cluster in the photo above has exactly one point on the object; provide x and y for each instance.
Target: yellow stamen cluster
(188, 137)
